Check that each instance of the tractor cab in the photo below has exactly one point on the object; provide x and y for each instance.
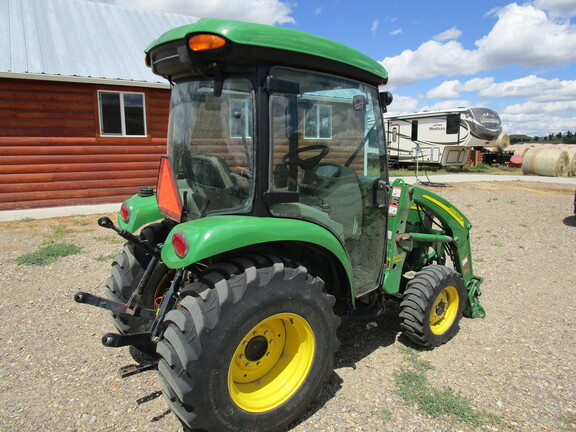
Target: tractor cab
(264, 131)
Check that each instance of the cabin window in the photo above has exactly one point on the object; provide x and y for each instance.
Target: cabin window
(241, 118)
(122, 113)
(318, 122)
(453, 124)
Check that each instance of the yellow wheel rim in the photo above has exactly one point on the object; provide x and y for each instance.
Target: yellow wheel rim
(271, 362)
(444, 310)
(161, 289)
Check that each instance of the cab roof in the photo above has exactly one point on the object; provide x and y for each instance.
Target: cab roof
(278, 39)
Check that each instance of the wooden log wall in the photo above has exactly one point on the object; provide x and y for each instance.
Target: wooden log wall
(51, 151)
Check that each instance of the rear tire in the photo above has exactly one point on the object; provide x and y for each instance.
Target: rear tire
(249, 349)
(433, 306)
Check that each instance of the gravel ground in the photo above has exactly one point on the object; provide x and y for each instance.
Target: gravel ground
(518, 363)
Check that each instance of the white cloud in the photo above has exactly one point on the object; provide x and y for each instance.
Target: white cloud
(536, 124)
(452, 33)
(525, 35)
(522, 35)
(431, 59)
(538, 89)
(403, 104)
(531, 85)
(540, 118)
(448, 105)
(258, 11)
(375, 25)
(396, 32)
(532, 107)
(446, 90)
(558, 8)
(476, 84)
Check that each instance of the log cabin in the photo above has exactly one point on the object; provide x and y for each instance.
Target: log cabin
(82, 119)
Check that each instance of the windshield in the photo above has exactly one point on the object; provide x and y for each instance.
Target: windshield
(211, 146)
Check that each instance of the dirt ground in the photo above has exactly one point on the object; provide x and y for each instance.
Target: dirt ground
(518, 364)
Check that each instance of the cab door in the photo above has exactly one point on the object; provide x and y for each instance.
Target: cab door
(327, 146)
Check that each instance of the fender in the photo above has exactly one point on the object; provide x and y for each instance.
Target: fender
(218, 234)
(143, 210)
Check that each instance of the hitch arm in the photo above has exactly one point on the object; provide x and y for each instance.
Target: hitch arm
(105, 222)
(111, 305)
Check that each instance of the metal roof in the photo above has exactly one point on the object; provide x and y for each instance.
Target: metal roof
(73, 40)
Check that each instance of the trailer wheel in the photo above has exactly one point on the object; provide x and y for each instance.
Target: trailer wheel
(249, 348)
(433, 306)
(127, 269)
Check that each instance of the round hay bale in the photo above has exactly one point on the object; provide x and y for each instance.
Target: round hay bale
(503, 141)
(520, 149)
(550, 162)
(572, 166)
(571, 150)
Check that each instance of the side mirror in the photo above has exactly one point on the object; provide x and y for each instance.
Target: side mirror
(359, 103)
(386, 99)
(380, 193)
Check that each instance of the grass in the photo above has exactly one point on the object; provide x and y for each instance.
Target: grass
(478, 169)
(387, 414)
(413, 386)
(59, 232)
(108, 257)
(48, 254)
(110, 239)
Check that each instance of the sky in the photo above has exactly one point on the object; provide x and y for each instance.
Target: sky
(518, 59)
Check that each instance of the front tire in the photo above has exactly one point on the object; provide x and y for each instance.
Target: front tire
(433, 306)
(249, 349)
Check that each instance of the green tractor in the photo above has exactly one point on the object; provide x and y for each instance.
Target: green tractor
(273, 219)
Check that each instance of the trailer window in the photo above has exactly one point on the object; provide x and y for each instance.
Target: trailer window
(414, 134)
(453, 124)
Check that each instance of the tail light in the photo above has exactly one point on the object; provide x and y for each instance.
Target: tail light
(125, 212)
(180, 244)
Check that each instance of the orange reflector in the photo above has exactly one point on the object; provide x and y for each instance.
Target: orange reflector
(203, 42)
(167, 195)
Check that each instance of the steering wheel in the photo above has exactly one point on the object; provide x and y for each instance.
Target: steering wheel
(293, 156)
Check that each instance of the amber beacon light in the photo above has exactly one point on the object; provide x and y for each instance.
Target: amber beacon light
(204, 42)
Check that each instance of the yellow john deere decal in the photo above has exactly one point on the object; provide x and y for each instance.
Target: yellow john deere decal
(396, 259)
(457, 216)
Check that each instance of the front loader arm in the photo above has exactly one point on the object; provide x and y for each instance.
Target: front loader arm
(412, 203)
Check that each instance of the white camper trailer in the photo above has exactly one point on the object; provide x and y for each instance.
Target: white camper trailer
(440, 137)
